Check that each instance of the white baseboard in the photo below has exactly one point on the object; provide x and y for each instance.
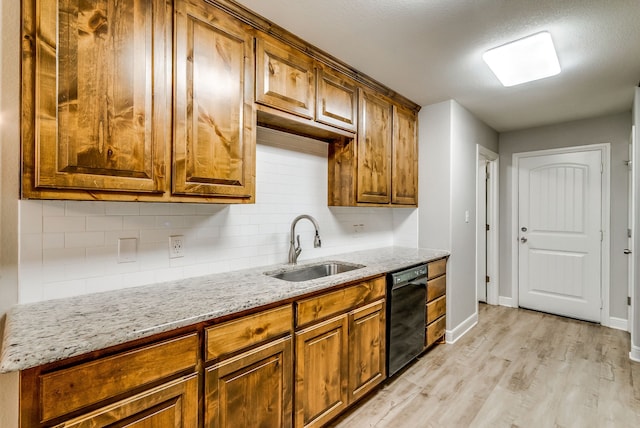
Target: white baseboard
(505, 301)
(634, 355)
(452, 336)
(618, 323)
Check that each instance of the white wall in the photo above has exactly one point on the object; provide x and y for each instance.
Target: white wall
(70, 247)
(614, 129)
(9, 174)
(448, 137)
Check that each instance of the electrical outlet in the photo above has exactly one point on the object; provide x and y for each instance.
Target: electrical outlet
(176, 246)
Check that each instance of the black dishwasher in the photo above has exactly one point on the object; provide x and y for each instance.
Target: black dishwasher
(406, 312)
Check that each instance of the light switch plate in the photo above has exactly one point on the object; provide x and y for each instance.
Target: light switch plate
(127, 250)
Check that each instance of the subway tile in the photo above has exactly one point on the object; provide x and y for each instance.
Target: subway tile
(139, 222)
(30, 217)
(113, 222)
(84, 208)
(58, 290)
(52, 240)
(83, 239)
(122, 208)
(53, 208)
(63, 224)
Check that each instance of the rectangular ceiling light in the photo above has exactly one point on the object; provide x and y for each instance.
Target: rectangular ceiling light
(524, 60)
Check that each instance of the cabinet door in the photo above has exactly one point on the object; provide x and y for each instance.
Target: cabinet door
(374, 149)
(285, 78)
(337, 100)
(321, 372)
(366, 349)
(214, 143)
(404, 176)
(174, 404)
(253, 389)
(98, 98)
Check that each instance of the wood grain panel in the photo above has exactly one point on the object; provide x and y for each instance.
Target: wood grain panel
(321, 372)
(254, 389)
(336, 302)
(404, 175)
(174, 404)
(342, 173)
(285, 77)
(366, 349)
(336, 100)
(71, 389)
(436, 287)
(214, 144)
(374, 149)
(99, 96)
(436, 330)
(436, 309)
(437, 268)
(247, 331)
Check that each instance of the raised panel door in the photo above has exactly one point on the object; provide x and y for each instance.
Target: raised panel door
(374, 149)
(404, 175)
(366, 349)
(285, 78)
(98, 100)
(254, 389)
(214, 118)
(321, 372)
(172, 405)
(337, 100)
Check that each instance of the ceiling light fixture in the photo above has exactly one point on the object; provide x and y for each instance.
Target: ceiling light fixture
(524, 60)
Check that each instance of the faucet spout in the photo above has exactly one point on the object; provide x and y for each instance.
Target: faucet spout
(294, 251)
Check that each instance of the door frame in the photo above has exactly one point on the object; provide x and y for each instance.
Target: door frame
(492, 207)
(605, 253)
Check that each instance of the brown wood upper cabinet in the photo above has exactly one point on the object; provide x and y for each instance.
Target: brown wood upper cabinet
(94, 95)
(214, 121)
(404, 165)
(336, 100)
(285, 77)
(374, 149)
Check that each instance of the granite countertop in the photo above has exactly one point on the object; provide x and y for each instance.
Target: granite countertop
(44, 332)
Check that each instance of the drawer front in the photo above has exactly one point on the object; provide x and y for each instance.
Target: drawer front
(247, 331)
(71, 389)
(336, 302)
(436, 309)
(436, 330)
(436, 287)
(437, 268)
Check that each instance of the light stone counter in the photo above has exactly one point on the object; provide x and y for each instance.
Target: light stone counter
(53, 330)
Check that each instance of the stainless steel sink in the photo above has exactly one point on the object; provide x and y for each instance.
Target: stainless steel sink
(309, 272)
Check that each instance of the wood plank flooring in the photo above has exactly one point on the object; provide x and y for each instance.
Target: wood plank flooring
(516, 368)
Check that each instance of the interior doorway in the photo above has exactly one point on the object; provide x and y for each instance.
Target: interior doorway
(561, 236)
(486, 225)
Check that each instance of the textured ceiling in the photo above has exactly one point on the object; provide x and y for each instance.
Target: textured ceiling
(431, 51)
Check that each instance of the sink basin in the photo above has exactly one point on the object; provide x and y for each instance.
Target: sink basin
(309, 272)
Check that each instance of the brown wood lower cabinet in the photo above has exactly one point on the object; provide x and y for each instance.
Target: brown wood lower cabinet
(340, 359)
(436, 318)
(172, 405)
(252, 389)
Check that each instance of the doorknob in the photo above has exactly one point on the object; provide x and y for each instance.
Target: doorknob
(523, 239)
(627, 251)
(524, 228)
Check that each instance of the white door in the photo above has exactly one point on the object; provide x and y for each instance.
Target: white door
(631, 220)
(559, 227)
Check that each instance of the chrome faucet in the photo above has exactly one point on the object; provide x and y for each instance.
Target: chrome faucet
(294, 251)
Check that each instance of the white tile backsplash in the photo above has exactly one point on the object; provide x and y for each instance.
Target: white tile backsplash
(70, 247)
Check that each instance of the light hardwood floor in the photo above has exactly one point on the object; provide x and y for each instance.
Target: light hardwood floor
(516, 368)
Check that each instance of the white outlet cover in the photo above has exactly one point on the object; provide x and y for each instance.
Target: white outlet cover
(176, 246)
(127, 250)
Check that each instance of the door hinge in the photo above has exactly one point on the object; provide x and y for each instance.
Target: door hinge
(628, 300)
(601, 236)
(487, 279)
(628, 233)
(488, 228)
(601, 167)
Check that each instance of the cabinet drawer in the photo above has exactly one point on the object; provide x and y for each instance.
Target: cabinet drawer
(436, 309)
(71, 389)
(336, 302)
(437, 268)
(436, 287)
(247, 331)
(436, 330)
